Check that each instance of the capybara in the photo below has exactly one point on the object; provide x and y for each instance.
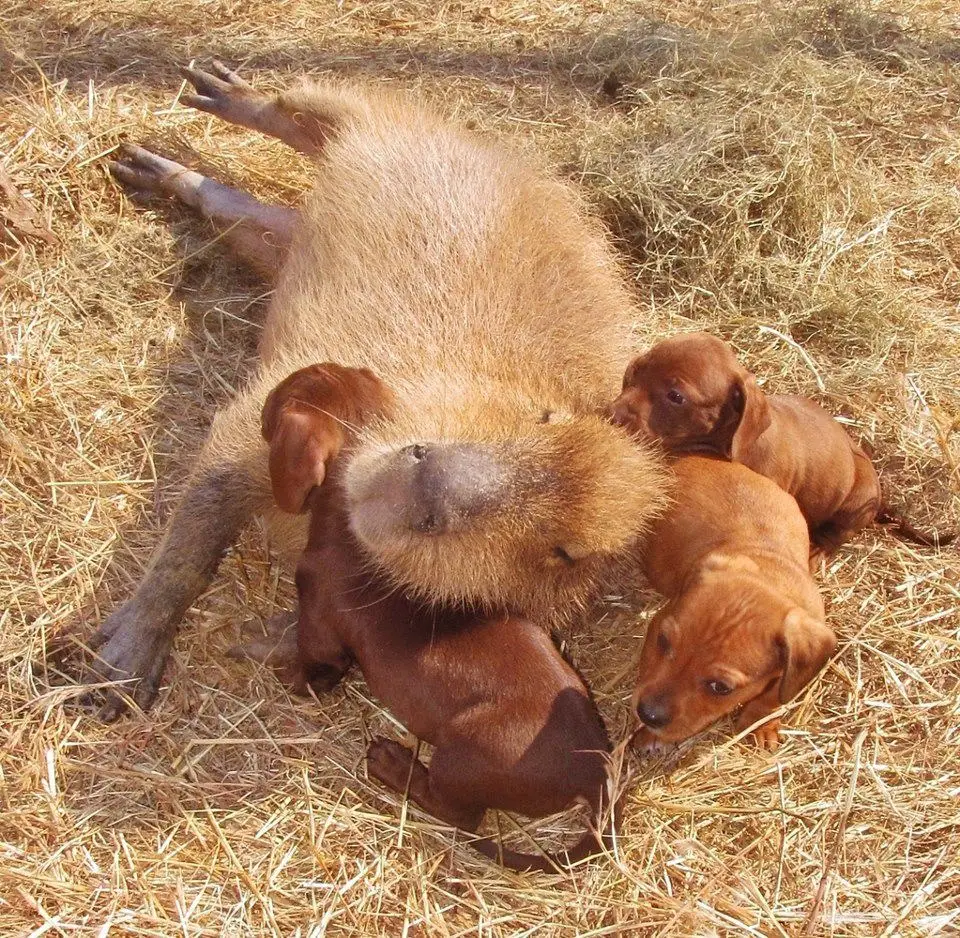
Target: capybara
(512, 724)
(744, 623)
(692, 394)
(482, 294)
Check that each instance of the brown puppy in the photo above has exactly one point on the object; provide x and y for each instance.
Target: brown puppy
(692, 394)
(482, 293)
(513, 725)
(744, 624)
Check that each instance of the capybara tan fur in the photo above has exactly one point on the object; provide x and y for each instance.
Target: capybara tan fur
(743, 628)
(692, 394)
(512, 724)
(480, 291)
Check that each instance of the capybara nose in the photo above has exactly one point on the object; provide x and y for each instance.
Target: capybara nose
(653, 713)
(449, 484)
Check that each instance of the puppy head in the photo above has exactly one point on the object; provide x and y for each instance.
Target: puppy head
(306, 420)
(723, 643)
(692, 394)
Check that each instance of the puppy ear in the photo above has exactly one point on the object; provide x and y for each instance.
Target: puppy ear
(805, 646)
(634, 370)
(299, 448)
(749, 401)
(306, 419)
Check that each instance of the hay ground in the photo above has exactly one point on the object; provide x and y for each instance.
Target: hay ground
(787, 176)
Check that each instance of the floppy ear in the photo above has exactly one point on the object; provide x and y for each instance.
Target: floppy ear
(749, 401)
(306, 419)
(634, 370)
(805, 646)
(300, 445)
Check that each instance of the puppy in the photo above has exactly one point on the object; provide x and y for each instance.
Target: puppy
(514, 726)
(744, 626)
(692, 394)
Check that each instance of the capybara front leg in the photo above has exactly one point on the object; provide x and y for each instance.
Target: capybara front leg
(259, 234)
(227, 96)
(134, 642)
(397, 768)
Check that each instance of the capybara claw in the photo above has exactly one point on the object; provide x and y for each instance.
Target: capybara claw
(131, 656)
(224, 94)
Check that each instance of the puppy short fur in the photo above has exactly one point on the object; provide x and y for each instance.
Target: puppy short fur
(690, 393)
(513, 725)
(744, 626)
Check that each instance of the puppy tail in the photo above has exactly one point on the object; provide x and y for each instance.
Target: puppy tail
(900, 525)
(592, 843)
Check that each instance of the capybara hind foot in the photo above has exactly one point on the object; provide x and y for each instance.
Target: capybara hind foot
(397, 768)
(227, 96)
(260, 234)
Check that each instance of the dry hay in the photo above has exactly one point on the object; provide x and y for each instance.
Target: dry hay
(786, 177)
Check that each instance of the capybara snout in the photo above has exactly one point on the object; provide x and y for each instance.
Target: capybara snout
(510, 512)
(431, 489)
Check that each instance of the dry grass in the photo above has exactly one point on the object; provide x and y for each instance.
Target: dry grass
(788, 177)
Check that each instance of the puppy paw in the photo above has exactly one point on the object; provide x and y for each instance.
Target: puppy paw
(389, 763)
(648, 745)
(767, 737)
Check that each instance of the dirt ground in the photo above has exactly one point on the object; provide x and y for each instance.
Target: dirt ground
(787, 176)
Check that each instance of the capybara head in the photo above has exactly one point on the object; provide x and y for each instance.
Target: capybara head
(690, 393)
(494, 497)
(719, 645)
(494, 494)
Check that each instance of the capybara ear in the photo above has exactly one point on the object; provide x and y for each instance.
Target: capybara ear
(805, 646)
(747, 414)
(306, 419)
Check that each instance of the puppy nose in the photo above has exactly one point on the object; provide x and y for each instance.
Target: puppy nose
(654, 713)
(622, 414)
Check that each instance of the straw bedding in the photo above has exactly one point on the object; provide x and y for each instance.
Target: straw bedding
(786, 176)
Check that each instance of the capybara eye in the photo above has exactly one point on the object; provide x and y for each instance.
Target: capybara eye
(663, 643)
(719, 688)
(675, 397)
(545, 416)
(562, 555)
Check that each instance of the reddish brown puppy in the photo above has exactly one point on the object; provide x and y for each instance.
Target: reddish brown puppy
(692, 394)
(513, 725)
(744, 625)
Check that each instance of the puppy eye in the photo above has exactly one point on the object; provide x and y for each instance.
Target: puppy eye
(675, 397)
(663, 643)
(719, 688)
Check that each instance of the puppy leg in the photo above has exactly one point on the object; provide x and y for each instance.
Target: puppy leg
(395, 766)
(259, 234)
(323, 658)
(858, 510)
